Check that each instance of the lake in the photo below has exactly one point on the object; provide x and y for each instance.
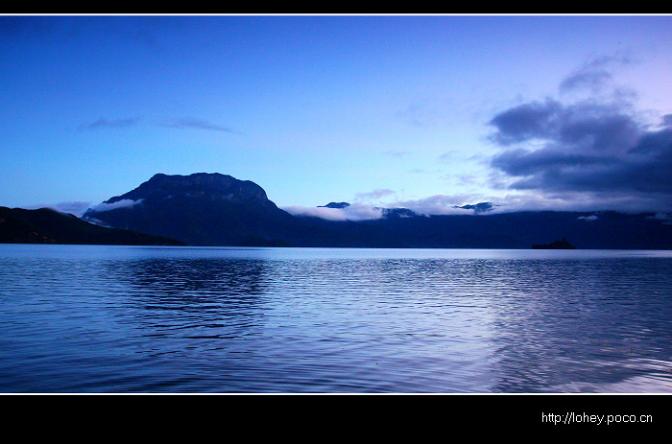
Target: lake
(182, 319)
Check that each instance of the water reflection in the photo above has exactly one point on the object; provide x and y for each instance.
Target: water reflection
(182, 299)
(191, 284)
(583, 326)
(293, 320)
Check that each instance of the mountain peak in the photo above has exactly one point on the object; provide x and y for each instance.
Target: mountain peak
(194, 176)
(335, 205)
(481, 207)
(211, 186)
(212, 179)
(198, 208)
(398, 213)
(48, 226)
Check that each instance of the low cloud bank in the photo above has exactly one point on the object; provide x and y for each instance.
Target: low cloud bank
(123, 203)
(590, 218)
(441, 205)
(76, 208)
(353, 212)
(433, 205)
(528, 201)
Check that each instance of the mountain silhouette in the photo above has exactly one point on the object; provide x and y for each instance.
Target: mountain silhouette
(335, 205)
(46, 226)
(216, 209)
(199, 209)
(386, 212)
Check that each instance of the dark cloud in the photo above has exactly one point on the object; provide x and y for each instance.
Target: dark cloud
(527, 121)
(596, 152)
(592, 79)
(586, 125)
(594, 75)
(200, 124)
(183, 123)
(521, 162)
(587, 147)
(110, 123)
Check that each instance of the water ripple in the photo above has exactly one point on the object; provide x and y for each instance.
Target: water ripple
(118, 319)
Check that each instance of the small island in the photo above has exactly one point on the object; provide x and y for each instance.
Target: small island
(562, 244)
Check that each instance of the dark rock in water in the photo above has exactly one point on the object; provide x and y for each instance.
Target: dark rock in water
(562, 244)
(335, 205)
(47, 226)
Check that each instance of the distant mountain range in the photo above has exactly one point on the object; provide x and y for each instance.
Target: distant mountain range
(45, 226)
(386, 212)
(216, 209)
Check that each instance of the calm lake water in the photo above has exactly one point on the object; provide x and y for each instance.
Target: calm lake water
(178, 319)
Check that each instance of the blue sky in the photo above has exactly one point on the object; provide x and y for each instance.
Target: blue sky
(378, 110)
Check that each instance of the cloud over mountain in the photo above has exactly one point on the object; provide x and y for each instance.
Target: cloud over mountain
(439, 204)
(71, 207)
(123, 203)
(354, 212)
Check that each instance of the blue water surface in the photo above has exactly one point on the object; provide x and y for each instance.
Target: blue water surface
(181, 319)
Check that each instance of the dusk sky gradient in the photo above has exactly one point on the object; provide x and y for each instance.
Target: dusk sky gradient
(424, 112)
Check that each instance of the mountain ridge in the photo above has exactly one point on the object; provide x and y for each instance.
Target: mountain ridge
(198, 209)
(47, 226)
(216, 209)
